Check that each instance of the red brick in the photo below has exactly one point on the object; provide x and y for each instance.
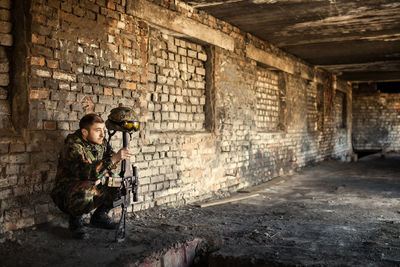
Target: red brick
(39, 94)
(108, 91)
(38, 39)
(53, 64)
(39, 61)
(111, 5)
(128, 85)
(50, 125)
(11, 226)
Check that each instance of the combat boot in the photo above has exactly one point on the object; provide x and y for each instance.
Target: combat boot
(100, 219)
(77, 227)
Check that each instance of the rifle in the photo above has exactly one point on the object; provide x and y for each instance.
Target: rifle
(128, 187)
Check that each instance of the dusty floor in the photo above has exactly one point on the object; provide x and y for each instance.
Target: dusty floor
(334, 214)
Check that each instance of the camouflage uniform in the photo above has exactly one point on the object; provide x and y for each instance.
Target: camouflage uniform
(80, 165)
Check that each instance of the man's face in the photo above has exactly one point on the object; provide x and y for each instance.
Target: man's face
(95, 134)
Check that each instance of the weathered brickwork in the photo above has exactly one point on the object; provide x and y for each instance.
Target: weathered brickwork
(89, 55)
(342, 122)
(5, 44)
(376, 119)
(312, 107)
(77, 70)
(177, 84)
(340, 107)
(267, 93)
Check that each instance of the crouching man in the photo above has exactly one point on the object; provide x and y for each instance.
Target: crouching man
(85, 164)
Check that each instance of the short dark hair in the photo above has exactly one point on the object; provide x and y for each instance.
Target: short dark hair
(88, 120)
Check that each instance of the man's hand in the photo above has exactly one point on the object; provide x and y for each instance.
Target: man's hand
(114, 182)
(122, 154)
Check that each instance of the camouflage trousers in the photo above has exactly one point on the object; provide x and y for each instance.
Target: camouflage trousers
(77, 198)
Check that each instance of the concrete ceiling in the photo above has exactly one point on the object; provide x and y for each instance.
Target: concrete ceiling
(358, 40)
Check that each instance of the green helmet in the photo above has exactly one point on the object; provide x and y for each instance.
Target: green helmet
(122, 119)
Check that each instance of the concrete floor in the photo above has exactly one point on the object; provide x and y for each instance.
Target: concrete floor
(333, 214)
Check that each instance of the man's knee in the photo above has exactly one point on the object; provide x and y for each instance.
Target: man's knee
(77, 199)
(84, 197)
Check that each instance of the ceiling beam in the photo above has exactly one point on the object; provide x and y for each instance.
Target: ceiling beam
(178, 23)
(370, 76)
(379, 66)
(282, 63)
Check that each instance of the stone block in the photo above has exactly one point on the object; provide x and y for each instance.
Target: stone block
(202, 56)
(171, 81)
(5, 4)
(64, 86)
(5, 15)
(63, 125)
(3, 94)
(65, 65)
(201, 71)
(25, 222)
(4, 79)
(200, 85)
(128, 85)
(39, 94)
(4, 67)
(38, 39)
(42, 73)
(108, 91)
(191, 69)
(192, 53)
(64, 76)
(5, 193)
(98, 108)
(38, 61)
(14, 148)
(12, 169)
(4, 148)
(99, 72)
(161, 79)
(152, 77)
(106, 100)
(50, 125)
(109, 82)
(148, 149)
(110, 73)
(19, 158)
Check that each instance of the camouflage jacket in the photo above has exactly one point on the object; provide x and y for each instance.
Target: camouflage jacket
(80, 160)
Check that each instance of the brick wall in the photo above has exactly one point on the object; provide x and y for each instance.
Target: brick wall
(5, 44)
(212, 120)
(267, 93)
(375, 119)
(177, 84)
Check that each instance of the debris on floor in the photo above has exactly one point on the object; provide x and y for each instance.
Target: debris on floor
(341, 214)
